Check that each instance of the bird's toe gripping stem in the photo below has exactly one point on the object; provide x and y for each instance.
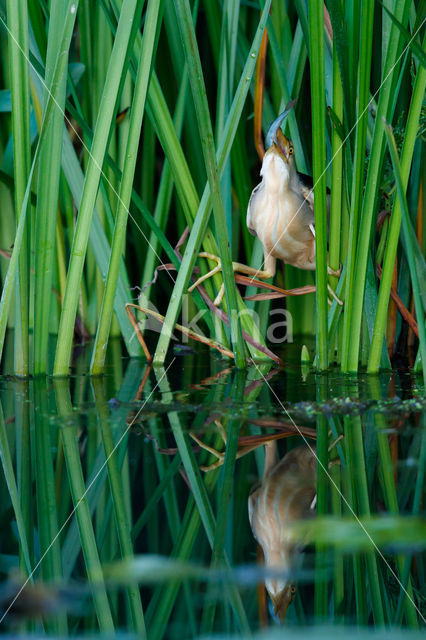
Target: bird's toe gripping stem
(237, 267)
(336, 273)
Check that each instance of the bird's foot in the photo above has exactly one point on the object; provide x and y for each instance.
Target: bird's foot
(333, 444)
(237, 267)
(218, 454)
(243, 447)
(334, 296)
(334, 272)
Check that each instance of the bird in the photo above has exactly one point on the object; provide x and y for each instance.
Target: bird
(280, 210)
(280, 213)
(286, 494)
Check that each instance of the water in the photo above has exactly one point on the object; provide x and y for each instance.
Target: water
(98, 470)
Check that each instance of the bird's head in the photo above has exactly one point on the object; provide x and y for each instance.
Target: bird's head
(284, 147)
(278, 162)
(280, 588)
(282, 599)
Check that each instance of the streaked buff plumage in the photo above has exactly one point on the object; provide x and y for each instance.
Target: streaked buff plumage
(279, 212)
(286, 494)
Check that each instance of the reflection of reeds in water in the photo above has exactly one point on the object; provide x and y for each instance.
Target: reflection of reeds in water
(130, 497)
(286, 494)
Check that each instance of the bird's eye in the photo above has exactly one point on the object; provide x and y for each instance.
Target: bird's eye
(292, 591)
(290, 151)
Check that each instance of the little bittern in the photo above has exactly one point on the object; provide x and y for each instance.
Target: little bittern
(286, 494)
(281, 208)
(280, 212)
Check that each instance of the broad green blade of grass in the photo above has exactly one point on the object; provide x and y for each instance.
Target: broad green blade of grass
(200, 224)
(370, 307)
(198, 487)
(79, 497)
(162, 603)
(47, 514)
(336, 174)
(390, 496)
(96, 480)
(366, 46)
(9, 475)
(206, 134)
(159, 115)
(155, 497)
(225, 82)
(188, 459)
(128, 13)
(409, 39)
(184, 184)
(225, 489)
(321, 595)
(395, 220)
(164, 197)
(341, 51)
(23, 463)
(316, 32)
(17, 19)
(417, 279)
(100, 244)
(158, 112)
(390, 74)
(338, 577)
(349, 507)
(121, 517)
(6, 296)
(142, 79)
(47, 193)
(346, 534)
(358, 469)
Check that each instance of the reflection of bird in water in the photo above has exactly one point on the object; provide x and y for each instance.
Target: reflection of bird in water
(286, 494)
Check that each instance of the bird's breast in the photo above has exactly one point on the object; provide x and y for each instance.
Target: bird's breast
(281, 221)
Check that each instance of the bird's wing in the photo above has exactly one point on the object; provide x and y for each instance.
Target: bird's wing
(252, 502)
(307, 189)
(249, 209)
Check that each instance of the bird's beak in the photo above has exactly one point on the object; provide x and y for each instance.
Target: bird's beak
(281, 602)
(271, 136)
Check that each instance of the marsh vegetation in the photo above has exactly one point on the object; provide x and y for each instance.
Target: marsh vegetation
(131, 137)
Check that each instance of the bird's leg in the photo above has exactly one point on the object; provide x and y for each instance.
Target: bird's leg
(333, 444)
(218, 454)
(271, 456)
(330, 272)
(211, 273)
(331, 447)
(333, 295)
(242, 451)
(237, 267)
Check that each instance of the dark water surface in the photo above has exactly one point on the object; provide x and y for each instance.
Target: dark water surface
(136, 501)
